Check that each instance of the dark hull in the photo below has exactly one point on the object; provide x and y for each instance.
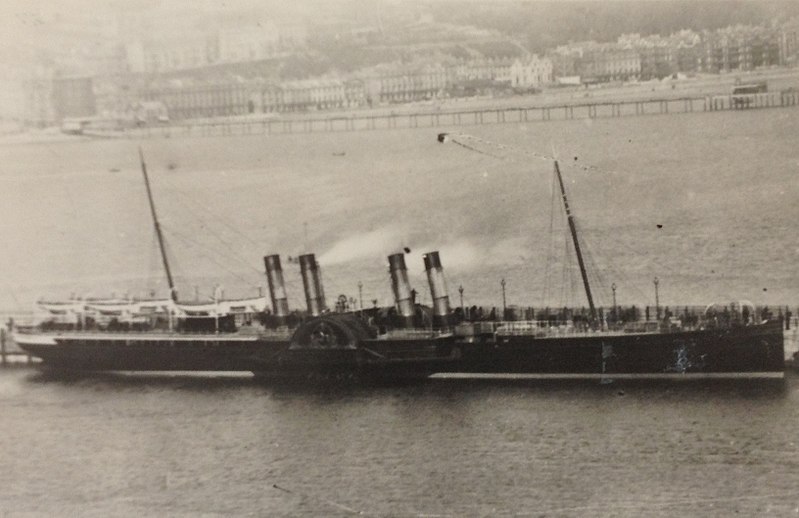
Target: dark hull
(114, 354)
(753, 349)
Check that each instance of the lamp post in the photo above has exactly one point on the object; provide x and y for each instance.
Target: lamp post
(615, 310)
(360, 295)
(504, 304)
(657, 299)
(217, 293)
(460, 290)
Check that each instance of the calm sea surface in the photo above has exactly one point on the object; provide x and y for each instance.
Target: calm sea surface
(116, 445)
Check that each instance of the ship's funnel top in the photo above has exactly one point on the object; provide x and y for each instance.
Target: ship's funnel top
(312, 283)
(277, 288)
(403, 296)
(396, 262)
(272, 262)
(438, 288)
(431, 260)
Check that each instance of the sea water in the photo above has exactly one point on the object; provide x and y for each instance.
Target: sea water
(167, 445)
(704, 201)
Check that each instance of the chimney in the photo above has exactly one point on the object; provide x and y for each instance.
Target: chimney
(438, 289)
(277, 289)
(312, 283)
(401, 288)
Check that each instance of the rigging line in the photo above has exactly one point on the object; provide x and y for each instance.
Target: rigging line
(529, 154)
(156, 224)
(573, 278)
(503, 147)
(655, 261)
(623, 280)
(610, 237)
(533, 154)
(188, 200)
(565, 272)
(229, 246)
(565, 256)
(627, 281)
(230, 255)
(551, 249)
(231, 272)
(597, 280)
(168, 250)
(331, 503)
(476, 150)
(604, 295)
(574, 281)
(150, 276)
(592, 268)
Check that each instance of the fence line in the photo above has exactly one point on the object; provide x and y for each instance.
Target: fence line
(511, 115)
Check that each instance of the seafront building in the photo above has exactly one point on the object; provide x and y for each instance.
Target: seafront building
(597, 63)
(531, 72)
(267, 68)
(740, 48)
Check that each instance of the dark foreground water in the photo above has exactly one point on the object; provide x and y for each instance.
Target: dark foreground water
(115, 445)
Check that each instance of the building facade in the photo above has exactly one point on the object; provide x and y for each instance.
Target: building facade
(532, 72)
(740, 48)
(609, 63)
(201, 100)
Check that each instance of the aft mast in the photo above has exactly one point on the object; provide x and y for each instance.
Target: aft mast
(573, 230)
(173, 294)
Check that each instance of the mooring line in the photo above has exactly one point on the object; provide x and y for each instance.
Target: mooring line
(328, 502)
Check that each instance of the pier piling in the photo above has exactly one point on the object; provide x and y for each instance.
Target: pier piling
(476, 116)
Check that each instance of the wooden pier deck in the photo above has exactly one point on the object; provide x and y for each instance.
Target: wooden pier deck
(449, 117)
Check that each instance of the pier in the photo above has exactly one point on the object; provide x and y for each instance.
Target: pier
(9, 353)
(450, 117)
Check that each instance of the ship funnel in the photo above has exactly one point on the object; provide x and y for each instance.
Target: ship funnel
(438, 289)
(277, 289)
(401, 288)
(312, 283)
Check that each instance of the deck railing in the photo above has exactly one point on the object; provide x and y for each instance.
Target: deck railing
(547, 328)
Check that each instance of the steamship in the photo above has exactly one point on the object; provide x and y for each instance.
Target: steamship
(406, 340)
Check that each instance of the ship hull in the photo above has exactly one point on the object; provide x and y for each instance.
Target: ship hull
(165, 353)
(734, 350)
(752, 350)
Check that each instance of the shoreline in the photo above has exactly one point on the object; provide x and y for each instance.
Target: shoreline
(664, 91)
